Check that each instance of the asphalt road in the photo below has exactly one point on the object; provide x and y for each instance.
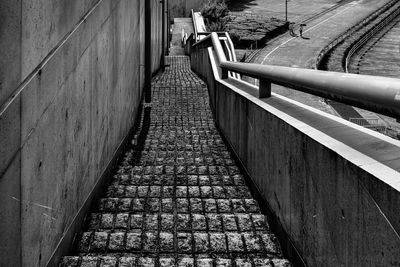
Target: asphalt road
(302, 52)
(298, 10)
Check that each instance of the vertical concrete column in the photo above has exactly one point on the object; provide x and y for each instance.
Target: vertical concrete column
(168, 12)
(164, 30)
(148, 54)
(264, 89)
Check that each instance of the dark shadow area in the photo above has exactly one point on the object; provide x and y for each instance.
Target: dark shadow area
(140, 142)
(288, 248)
(306, 38)
(240, 5)
(134, 141)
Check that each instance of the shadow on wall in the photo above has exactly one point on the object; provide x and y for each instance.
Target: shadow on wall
(240, 5)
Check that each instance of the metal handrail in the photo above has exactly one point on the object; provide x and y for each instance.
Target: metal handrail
(194, 25)
(231, 49)
(369, 35)
(377, 94)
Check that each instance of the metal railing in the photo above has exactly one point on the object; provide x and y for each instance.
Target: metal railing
(194, 25)
(377, 94)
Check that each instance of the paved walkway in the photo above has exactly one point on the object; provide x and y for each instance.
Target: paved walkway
(178, 198)
(185, 24)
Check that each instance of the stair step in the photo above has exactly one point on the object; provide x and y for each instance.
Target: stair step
(179, 205)
(185, 242)
(167, 174)
(183, 20)
(171, 260)
(177, 52)
(180, 222)
(169, 191)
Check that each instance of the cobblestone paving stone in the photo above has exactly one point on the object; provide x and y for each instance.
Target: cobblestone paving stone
(177, 198)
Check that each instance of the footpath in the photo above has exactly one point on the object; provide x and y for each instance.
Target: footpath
(178, 198)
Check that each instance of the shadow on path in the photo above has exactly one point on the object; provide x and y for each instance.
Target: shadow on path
(240, 5)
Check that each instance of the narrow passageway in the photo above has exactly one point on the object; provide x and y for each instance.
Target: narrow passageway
(177, 198)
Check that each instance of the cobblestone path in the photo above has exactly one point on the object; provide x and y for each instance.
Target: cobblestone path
(178, 198)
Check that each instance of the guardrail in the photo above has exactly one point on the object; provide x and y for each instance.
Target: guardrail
(360, 43)
(377, 94)
(194, 25)
(197, 26)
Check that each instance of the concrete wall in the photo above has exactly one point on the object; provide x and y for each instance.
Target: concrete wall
(332, 186)
(182, 8)
(71, 80)
(156, 29)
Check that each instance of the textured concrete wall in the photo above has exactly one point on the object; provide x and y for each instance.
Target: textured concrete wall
(71, 79)
(331, 209)
(182, 8)
(333, 187)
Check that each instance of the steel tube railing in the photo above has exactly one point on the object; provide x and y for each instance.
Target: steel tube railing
(377, 94)
(194, 25)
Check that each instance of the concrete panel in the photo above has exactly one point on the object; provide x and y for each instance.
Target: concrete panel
(10, 131)
(44, 87)
(10, 209)
(45, 24)
(10, 195)
(10, 47)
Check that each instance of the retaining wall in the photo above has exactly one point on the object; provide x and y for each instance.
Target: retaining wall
(71, 80)
(332, 187)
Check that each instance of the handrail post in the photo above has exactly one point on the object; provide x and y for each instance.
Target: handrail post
(224, 73)
(264, 89)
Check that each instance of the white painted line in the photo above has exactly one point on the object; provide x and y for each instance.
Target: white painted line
(309, 29)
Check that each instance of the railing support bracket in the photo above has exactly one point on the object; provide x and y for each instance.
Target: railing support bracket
(224, 73)
(264, 89)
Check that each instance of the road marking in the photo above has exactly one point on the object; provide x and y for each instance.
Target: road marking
(309, 29)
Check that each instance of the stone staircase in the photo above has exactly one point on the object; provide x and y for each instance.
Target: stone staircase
(178, 198)
(185, 24)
